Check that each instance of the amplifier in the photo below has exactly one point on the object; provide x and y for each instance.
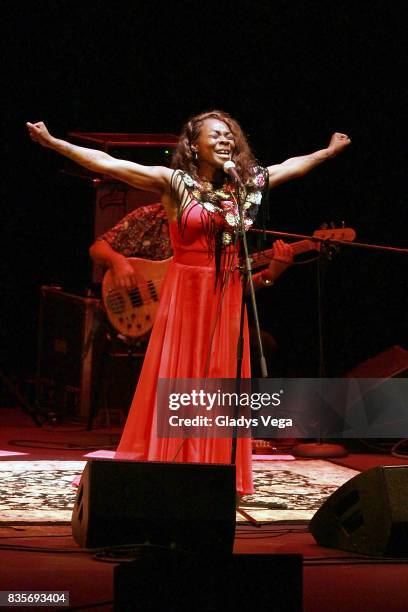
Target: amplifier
(65, 352)
(82, 367)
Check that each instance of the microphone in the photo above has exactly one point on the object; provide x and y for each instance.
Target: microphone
(230, 169)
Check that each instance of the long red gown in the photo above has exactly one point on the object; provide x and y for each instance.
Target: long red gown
(180, 347)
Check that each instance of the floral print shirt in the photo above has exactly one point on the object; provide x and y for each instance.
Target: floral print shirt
(142, 233)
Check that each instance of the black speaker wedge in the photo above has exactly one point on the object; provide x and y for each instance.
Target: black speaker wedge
(188, 506)
(367, 515)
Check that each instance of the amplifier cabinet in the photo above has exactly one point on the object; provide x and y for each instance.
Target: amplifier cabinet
(67, 323)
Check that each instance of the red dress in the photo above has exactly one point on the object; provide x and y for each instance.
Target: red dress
(194, 336)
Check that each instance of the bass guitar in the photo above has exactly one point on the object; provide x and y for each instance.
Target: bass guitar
(132, 311)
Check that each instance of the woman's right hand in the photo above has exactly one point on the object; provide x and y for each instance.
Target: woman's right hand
(150, 178)
(38, 133)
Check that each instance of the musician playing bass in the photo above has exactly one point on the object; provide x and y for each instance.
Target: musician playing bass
(142, 233)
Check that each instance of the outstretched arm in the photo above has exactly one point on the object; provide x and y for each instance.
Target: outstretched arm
(299, 166)
(151, 178)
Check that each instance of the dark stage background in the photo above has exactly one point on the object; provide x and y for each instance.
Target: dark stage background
(291, 72)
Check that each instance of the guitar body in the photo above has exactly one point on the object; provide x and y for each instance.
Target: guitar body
(132, 311)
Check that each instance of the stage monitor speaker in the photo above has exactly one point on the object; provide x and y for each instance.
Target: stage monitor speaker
(175, 582)
(391, 363)
(187, 506)
(367, 515)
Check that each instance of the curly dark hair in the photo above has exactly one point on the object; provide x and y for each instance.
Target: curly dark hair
(183, 156)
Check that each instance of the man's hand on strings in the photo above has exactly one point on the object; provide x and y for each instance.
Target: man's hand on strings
(282, 259)
(123, 274)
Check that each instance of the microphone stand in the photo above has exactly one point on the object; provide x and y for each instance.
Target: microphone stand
(247, 280)
(246, 269)
(318, 449)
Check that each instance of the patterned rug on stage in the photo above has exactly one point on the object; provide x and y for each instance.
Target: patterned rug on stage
(41, 491)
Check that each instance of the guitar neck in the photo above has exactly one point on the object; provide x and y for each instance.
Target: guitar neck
(263, 258)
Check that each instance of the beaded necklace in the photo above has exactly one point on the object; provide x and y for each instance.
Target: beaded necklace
(221, 201)
(220, 217)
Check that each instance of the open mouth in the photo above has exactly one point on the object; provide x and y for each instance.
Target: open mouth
(224, 153)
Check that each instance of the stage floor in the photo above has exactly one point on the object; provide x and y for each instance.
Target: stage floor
(45, 557)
